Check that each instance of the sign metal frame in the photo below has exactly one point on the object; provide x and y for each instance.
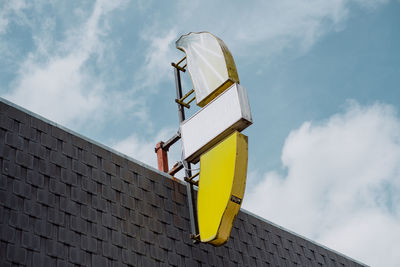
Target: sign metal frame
(216, 143)
(186, 165)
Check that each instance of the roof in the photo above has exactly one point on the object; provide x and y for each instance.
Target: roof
(67, 200)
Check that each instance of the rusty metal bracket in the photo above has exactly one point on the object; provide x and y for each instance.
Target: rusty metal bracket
(176, 168)
(162, 157)
(162, 152)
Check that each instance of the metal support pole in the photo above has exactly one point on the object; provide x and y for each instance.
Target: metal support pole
(188, 172)
(162, 157)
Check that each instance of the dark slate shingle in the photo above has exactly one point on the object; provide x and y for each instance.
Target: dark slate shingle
(65, 200)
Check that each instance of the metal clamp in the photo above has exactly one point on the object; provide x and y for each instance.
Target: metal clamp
(176, 65)
(196, 238)
(190, 179)
(180, 101)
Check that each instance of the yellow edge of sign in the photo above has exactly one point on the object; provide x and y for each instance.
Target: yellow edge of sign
(232, 74)
(216, 92)
(222, 183)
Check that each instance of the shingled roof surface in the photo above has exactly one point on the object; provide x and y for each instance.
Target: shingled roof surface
(68, 201)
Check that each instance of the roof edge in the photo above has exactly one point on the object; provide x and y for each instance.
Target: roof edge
(301, 236)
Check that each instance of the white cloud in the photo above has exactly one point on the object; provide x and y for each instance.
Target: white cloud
(55, 80)
(159, 55)
(11, 10)
(280, 25)
(261, 30)
(56, 90)
(287, 23)
(342, 186)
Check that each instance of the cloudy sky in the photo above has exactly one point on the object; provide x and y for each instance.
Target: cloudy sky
(323, 79)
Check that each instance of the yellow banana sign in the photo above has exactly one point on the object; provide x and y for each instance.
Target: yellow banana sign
(212, 135)
(221, 188)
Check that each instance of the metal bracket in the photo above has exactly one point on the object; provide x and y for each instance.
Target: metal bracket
(190, 179)
(176, 65)
(176, 168)
(171, 141)
(186, 105)
(196, 238)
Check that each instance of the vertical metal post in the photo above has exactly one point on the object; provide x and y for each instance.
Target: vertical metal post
(162, 157)
(187, 166)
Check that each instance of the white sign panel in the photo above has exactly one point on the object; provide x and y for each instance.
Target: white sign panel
(227, 113)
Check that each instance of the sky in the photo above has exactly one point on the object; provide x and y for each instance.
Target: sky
(322, 79)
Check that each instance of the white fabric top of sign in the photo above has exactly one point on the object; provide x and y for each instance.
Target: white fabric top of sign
(227, 113)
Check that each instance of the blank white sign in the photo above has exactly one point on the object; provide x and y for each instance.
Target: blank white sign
(227, 113)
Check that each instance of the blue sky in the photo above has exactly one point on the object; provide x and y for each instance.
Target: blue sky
(322, 78)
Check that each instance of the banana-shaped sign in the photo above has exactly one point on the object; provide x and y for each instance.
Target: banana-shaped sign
(212, 135)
